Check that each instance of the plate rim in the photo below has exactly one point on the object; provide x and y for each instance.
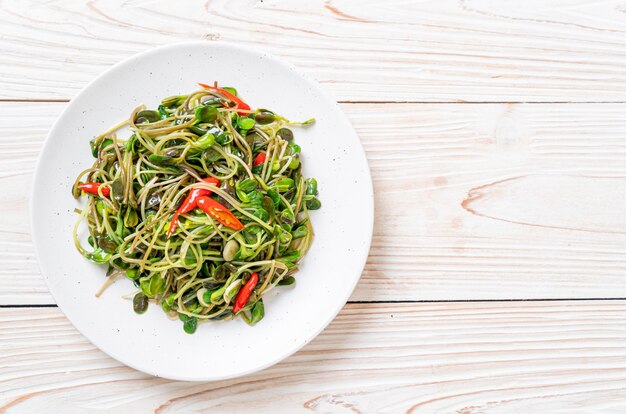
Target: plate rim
(369, 220)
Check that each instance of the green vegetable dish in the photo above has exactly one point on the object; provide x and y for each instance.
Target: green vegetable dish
(203, 206)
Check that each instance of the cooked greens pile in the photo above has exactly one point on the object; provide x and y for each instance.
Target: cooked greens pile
(203, 206)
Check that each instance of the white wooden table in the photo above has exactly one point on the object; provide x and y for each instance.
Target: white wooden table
(496, 136)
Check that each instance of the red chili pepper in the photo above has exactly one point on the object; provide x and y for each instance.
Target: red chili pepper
(260, 159)
(92, 188)
(219, 213)
(239, 104)
(190, 203)
(245, 292)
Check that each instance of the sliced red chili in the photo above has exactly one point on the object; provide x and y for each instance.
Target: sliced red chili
(219, 213)
(190, 203)
(245, 292)
(239, 104)
(260, 159)
(92, 188)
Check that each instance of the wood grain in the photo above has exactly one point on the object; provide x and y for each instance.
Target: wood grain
(491, 200)
(23, 128)
(465, 358)
(473, 201)
(444, 51)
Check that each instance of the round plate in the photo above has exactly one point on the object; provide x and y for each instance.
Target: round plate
(152, 343)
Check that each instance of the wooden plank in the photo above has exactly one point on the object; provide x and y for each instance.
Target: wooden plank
(23, 128)
(413, 358)
(444, 51)
(495, 201)
(473, 201)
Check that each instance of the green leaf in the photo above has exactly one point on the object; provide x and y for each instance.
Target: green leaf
(290, 265)
(98, 256)
(130, 217)
(295, 148)
(211, 155)
(261, 214)
(197, 130)
(216, 295)
(286, 281)
(140, 303)
(284, 239)
(94, 148)
(300, 232)
(131, 143)
(294, 163)
(96, 145)
(245, 123)
(152, 286)
(250, 233)
(206, 296)
(268, 205)
(120, 264)
(147, 116)
(247, 185)
(105, 243)
(313, 204)
(242, 196)
(106, 142)
(287, 217)
(132, 273)
(190, 258)
(283, 185)
(194, 307)
(311, 186)
(274, 196)
(285, 134)
(213, 101)
(144, 285)
(258, 312)
(223, 138)
(100, 207)
(175, 100)
(170, 300)
(160, 160)
(206, 141)
(190, 325)
(264, 117)
(256, 198)
(291, 256)
(163, 111)
(206, 113)
(117, 189)
(157, 284)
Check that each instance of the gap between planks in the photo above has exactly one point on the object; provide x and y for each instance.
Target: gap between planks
(383, 302)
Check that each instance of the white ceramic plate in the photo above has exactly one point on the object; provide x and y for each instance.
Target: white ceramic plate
(294, 315)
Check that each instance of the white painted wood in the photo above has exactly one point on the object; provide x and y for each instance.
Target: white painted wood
(470, 358)
(472, 201)
(361, 50)
(495, 201)
(23, 129)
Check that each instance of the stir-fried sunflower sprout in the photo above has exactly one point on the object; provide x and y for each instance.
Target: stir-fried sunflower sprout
(203, 206)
